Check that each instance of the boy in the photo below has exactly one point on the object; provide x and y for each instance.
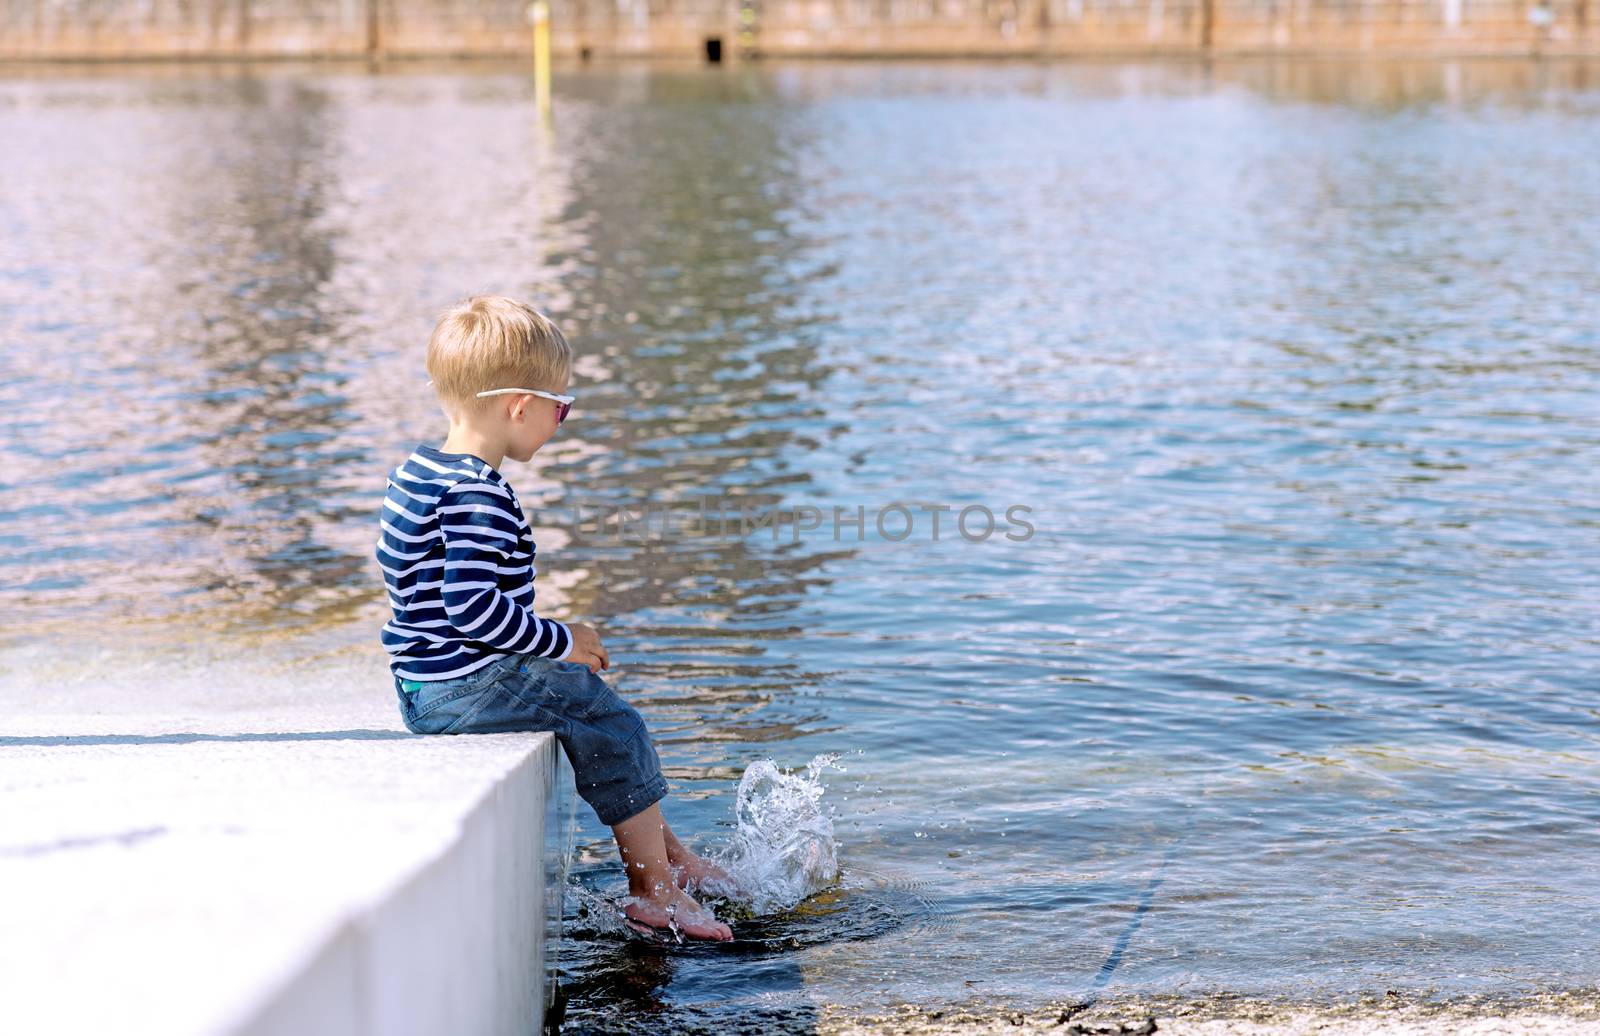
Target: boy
(467, 651)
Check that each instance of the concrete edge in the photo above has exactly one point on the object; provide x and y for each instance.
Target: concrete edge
(461, 942)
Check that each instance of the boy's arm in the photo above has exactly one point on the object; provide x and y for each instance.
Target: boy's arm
(481, 530)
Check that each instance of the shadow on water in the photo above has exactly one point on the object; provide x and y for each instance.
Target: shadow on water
(617, 982)
(625, 985)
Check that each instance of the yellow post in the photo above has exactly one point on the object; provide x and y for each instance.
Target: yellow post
(539, 15)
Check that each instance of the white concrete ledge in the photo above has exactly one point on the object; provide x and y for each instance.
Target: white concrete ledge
(360, 881)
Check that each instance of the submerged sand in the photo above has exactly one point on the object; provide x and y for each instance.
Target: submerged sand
(1575, 1012)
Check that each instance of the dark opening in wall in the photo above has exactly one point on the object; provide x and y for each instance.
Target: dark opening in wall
(714, 49)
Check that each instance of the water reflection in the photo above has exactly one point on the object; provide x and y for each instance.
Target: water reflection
(256, 248)
(690, 296)
(268, 366)
(197, 414)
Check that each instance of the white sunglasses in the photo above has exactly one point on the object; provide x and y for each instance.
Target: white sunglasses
(563, 403)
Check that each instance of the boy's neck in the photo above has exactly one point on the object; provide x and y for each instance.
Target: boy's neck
(463, 439)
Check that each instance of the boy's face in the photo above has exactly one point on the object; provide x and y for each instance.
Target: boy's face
(532, 421)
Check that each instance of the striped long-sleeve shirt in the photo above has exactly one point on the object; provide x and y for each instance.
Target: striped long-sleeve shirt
(457, 557)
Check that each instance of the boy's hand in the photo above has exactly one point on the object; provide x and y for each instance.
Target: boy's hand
(586, 647)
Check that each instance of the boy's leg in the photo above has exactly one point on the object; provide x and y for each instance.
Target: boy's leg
(657, 900)
(619, 775)
(691, 871)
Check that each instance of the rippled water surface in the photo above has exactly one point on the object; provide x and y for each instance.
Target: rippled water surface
(1292, 690)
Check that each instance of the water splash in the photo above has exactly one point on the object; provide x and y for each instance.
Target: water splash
(782, 849)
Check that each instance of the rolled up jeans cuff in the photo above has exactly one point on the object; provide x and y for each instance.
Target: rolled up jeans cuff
(614, 809)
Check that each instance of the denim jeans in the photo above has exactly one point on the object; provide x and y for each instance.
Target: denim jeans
(614, 763)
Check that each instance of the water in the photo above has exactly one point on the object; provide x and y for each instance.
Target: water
(1290, 693)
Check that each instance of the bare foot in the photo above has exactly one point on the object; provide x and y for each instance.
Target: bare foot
(692, 873)
(672, 909)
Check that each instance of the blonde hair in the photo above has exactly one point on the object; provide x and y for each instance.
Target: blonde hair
(489, 342)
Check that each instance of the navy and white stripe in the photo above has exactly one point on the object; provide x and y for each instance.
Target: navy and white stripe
(457, 557)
